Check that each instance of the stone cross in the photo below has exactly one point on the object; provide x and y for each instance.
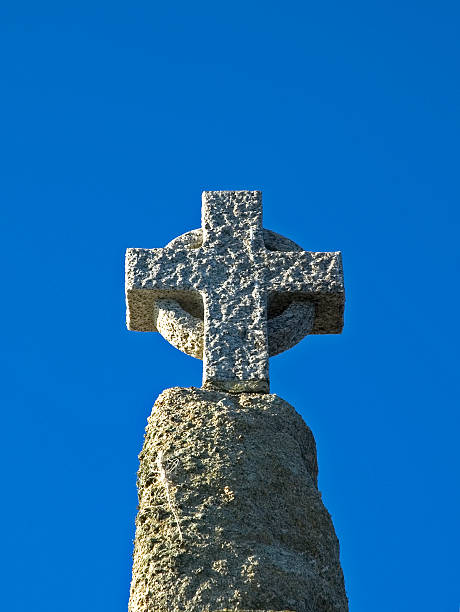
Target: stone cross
(234, 293)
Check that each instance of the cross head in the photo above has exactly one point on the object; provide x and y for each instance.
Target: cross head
(234, 275)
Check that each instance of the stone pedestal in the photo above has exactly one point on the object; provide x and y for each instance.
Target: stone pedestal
(230, 516)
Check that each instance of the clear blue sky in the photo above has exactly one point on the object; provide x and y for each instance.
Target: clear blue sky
(114, 117)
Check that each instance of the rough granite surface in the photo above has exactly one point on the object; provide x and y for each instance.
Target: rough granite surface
(186, 332)
(230, 516)
(227, 280)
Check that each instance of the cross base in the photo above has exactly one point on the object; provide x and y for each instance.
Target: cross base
(229, 509)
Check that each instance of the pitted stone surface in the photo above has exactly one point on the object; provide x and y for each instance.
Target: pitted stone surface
(186, 332)
(230, 516)
(288, 328)
(233, 275)
(179, 327)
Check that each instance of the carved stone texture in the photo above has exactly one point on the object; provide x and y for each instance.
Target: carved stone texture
(227, 280)
(186, 332)
(230, 516)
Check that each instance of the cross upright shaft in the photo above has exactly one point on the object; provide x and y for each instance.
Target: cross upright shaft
(235, 275)
(235, 297)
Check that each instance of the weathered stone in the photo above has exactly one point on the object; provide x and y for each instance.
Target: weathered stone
(230, 516)
(211, 291)
(186, 332)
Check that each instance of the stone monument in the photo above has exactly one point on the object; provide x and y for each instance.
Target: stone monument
(230, 516)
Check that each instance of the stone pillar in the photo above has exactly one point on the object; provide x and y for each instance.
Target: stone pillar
(230, 516)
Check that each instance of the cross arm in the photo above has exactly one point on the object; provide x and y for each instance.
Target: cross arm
(316, 277)
(152, 274)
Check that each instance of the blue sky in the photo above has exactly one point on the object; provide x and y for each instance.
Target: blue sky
(114, 117)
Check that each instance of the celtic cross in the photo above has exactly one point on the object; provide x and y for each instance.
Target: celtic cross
(234, 293)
